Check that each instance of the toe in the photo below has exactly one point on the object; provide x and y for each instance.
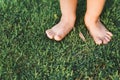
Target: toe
(106, 40)
(98, 41)
(57, 37)
(108, 36)
(50, 34)
(109, 33)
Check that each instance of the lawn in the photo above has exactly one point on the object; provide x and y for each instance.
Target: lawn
(27, 54)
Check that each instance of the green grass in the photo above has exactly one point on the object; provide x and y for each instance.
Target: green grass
(27, 54)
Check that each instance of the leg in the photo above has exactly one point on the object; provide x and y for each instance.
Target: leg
(60, 30)
(97, 30)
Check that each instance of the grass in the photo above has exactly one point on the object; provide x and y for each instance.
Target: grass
(27, 54)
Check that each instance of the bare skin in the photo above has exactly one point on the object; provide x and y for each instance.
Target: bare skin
(60, 30)
(99, 33)
(92, 20)
(68, 8)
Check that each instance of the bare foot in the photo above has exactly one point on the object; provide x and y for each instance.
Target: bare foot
(98, 31)
(60, 30)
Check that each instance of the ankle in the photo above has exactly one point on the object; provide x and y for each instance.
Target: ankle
(89, 20)
(69, 19)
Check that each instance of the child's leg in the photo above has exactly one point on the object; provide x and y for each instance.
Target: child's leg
(97, 30)
(60, 30)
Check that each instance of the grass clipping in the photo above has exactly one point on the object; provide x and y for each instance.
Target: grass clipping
(82, 36)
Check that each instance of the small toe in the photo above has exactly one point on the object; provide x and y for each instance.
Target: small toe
(98, 41)
(50, 34)
(109, 33)
(106, 40)
(108, 36)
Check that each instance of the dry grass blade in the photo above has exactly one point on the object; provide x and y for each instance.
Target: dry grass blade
(82, 36)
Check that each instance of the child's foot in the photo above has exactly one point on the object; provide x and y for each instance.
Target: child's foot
(98, 31)
(60, 30)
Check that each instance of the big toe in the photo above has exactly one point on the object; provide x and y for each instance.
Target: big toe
(57, 37)
(50, 33)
